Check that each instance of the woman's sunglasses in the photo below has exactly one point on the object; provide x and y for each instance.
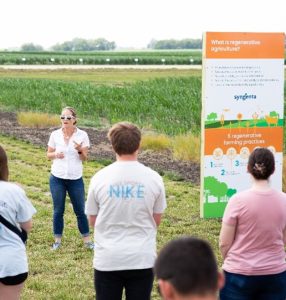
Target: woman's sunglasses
(67, 117)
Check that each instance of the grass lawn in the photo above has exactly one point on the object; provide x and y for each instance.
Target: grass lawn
(68, 273)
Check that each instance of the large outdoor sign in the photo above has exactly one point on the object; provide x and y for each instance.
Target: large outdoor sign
(242, 96)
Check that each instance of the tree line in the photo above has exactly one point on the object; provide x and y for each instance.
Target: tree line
(101, 44)
(175, 44)
(77, 44)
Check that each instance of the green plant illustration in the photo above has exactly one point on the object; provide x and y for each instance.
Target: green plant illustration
(212, 116)
(220, 190)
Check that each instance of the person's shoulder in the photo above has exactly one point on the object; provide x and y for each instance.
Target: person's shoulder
(99, 177)
(103, 171)
(239, 197)
(279, 194)
(151, 172)
(243, 193)
(13, 187)
(56, 131)
(81, 131)
(17, 187)
(155, 173)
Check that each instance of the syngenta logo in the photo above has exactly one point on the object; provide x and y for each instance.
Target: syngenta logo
(244, 97)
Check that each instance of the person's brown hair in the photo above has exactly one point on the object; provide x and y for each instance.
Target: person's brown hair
(189, 264)
(261, 163)
(4, 171)
(72, 110)
(125, 138)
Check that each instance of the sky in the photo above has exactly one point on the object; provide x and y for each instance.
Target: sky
(132, 23)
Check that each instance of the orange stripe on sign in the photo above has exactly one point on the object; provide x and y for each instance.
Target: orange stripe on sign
(238, 138)
(244, 45)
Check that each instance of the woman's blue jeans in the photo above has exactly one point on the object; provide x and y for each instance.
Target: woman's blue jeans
(75, 189)
(260, 287)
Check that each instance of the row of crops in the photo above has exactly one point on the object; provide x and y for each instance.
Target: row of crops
(184, 57)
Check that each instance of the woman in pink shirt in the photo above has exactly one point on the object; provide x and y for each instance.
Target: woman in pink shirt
(253, 236)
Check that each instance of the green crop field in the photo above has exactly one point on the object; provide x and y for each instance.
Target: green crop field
(165, 103)
(147, 57)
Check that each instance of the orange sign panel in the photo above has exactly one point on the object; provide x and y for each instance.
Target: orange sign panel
(244, 45)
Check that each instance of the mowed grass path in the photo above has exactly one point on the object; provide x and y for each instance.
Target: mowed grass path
(112, 76)
(68, 273)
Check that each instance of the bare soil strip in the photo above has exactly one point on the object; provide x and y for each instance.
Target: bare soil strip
(101, 150)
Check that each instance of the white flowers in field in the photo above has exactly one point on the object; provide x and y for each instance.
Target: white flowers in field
(23, 59)
(52, 59)
(136, 60)
(191, 60)
(80, 60)
(163, 60)
(108, 60)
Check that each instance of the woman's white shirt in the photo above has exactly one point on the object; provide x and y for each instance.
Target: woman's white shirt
(69, 167)
(16, 208)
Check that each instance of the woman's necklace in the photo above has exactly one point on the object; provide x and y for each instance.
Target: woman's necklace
(67, 136)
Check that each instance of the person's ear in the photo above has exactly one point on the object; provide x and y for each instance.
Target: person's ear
(166, 289)
(220, 280)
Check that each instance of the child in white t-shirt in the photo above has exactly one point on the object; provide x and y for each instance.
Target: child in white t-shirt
(125, 203)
